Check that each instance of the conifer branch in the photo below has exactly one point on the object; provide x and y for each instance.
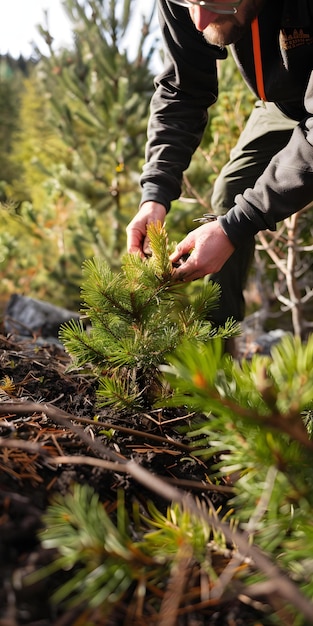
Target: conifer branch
(137, 318)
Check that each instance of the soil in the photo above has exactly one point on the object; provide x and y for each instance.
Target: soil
(43, 404)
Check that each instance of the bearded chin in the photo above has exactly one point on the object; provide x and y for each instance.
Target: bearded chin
(221, 36)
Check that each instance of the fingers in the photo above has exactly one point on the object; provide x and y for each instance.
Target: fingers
(136, 230)
(209, 249)
(187, 271)
(183, 249)
(135, 239)
(183, 260)
(204, 250)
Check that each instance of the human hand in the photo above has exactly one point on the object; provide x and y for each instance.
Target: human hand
(209, 248)
(137, 240)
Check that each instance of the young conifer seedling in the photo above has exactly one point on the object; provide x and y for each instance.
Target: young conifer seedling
(136, 318)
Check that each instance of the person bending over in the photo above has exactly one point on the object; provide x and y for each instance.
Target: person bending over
(269, 175)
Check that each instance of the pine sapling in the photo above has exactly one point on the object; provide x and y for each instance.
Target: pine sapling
(136, 318)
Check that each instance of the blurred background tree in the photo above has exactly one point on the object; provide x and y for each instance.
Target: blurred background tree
(78, 146)
(73, 139)
(12, 74)
(99, 99)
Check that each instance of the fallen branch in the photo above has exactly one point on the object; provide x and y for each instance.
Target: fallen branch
(49, 410)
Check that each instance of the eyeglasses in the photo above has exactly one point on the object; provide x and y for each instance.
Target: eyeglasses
(218, 6)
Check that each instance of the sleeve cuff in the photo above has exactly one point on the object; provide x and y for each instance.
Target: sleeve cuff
(238, 226)
(153, 193)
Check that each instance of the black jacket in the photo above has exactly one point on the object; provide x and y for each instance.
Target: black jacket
(188, 86)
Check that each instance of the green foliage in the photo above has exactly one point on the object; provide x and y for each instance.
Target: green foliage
(12, 74)
(75, 130)
(148, 344)
(81, 116)
(109, 559)
(137, 318)
(255, 425)
(79, 527)
(38, 254)
(44, 233)
(99, 103)
(272, 390)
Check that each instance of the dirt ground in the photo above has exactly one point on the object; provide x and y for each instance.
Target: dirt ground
(41, 404)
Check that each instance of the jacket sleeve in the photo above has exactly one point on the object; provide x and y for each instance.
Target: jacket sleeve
(285, 187)
(183, 92)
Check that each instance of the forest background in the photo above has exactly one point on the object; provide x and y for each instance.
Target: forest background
(73, 132)
(72, 148)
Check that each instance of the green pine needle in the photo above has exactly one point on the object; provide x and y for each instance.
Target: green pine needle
(135, 319)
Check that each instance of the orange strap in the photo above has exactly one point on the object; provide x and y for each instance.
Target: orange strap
(257, 58)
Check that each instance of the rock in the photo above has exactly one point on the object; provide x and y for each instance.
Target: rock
(27, 317)
(265, 342)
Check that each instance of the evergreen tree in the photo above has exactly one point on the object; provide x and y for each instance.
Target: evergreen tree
(36, 147)
(12, 73)
(41, 251)
(78, 152)
(137, 318)
(100, 99)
